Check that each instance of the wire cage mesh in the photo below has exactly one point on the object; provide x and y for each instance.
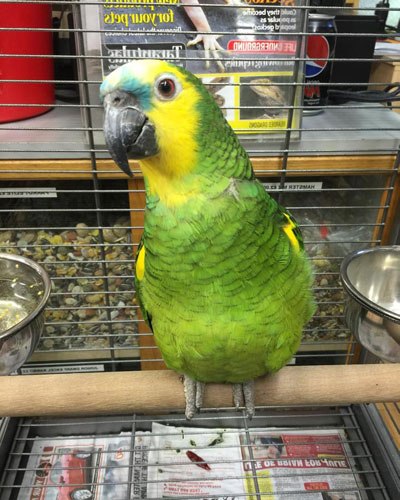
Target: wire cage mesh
(130, 457)
(65, 204)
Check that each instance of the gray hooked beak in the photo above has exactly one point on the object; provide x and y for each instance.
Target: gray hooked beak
(127, 130)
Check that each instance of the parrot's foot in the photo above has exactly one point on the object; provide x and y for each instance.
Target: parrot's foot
(243, 395)
(237, 392)
(194, 392)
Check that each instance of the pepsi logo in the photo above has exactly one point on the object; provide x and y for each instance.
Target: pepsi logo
(317, 55)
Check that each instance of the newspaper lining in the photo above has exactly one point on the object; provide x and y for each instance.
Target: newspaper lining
(300, 461)
(90, 468)
(209, 461)
(180, 462)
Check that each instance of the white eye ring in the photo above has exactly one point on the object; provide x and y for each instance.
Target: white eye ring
(167, 87)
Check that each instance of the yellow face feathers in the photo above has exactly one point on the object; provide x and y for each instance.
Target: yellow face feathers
(176, 121)
(172, 102)
(169, 101)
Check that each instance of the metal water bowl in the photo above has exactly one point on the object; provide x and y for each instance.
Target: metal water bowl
(24, 291)
(371, 279)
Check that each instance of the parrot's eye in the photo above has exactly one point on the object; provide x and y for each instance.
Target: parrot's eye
(167, 88)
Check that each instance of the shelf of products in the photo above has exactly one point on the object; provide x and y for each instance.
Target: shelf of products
(358, 128)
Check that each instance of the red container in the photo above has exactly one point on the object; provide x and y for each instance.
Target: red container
(25, 15)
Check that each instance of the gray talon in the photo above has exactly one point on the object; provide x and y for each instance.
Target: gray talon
(243, 395)
(237, 391)
(189, 386)
(194, 392)
(200, 386)
(248, 393)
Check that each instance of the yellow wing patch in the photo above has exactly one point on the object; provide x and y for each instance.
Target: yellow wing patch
(289, 230)
(140, 264)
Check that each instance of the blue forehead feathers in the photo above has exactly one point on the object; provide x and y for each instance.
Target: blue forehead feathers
(124, 79)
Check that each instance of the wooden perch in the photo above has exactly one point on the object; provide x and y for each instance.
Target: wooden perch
(162, 391)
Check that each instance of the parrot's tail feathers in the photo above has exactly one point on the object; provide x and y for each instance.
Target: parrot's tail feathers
(194, 394)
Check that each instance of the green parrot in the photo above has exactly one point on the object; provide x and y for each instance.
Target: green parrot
(221, 274)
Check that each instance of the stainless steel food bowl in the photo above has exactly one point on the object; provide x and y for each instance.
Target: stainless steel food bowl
(371, 279)
(24, 291)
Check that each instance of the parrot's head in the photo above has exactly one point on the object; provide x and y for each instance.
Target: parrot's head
(154, 112)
